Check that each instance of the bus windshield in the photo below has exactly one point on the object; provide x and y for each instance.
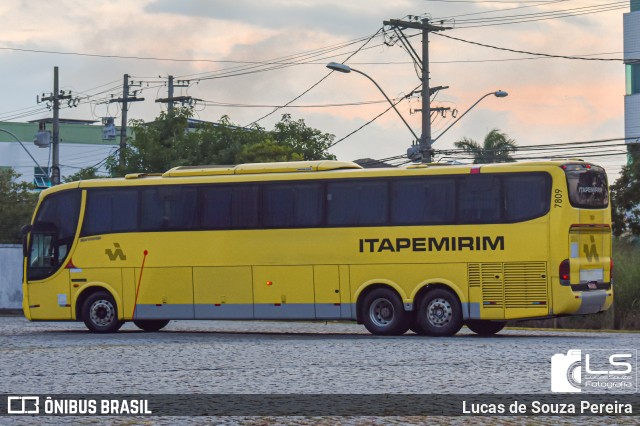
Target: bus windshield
(587, 186)
(52, 234)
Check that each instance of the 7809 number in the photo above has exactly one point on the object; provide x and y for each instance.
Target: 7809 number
(557, 198)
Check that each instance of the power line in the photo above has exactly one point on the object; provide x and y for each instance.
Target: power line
(374, 118)
(333, 105)
(546, 55)
(538, 4)
(549, 14)
(542, 16)
(315, 84)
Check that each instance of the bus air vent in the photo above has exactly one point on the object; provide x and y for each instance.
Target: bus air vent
(257, 168)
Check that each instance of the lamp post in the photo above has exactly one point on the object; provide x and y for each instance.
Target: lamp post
(25, 148)
(497, 94)
(347, 69)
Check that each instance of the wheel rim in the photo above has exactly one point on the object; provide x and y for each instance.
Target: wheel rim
(439, 312)
(381, 312)
(102, 313)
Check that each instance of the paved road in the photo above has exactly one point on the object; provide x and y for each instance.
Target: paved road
(224, 357)
(279, 357)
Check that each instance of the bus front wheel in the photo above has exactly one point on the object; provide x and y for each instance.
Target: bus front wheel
(151, 325)
(485, 328)
(383, 313)
(439, 313)
(100, 313)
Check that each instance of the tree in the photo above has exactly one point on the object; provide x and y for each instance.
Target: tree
(311, 143)
(169, 142)
(18, 201)
(497, 148)
(625, 196)
(82, 174)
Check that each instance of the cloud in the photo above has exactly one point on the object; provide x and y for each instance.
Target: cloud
(337, 17)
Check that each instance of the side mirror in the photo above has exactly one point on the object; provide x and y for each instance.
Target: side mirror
(25, 232)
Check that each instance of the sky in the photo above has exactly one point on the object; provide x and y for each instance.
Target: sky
(251, 55)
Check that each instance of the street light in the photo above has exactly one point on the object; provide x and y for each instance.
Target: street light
(25, 148)
(497, 94)
(347, 69)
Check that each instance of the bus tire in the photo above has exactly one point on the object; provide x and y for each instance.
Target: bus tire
(151, 325)
(485, 328)
(439, 313)
(100, 313)
(383, 313)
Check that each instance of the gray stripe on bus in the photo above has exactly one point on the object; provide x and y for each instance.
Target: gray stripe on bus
(246, 311)
(164, 311)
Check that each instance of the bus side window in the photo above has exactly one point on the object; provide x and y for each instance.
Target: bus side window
(357, 203)
(293, 205)
(526, 196)
(479, 199)
(423, 201)
(109, 211)
(229, 207)
(169, 208)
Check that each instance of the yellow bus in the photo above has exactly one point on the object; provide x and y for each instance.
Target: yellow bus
(426, 248)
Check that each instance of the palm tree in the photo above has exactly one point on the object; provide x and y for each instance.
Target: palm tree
(497, 148)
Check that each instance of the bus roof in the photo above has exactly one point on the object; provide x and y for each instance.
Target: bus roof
(302, 170)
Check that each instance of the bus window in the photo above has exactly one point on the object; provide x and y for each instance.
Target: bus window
(110, 211)
(229, 207)
(423, 201)
(479, 199)
(171, 208)
(526, 196)
(357, 203)
(587, 186)
(293, 205)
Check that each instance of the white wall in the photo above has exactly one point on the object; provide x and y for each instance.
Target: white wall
(10, 276)
(73, 157)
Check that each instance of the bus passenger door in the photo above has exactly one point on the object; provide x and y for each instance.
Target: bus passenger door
(326, 284)
(47, 278)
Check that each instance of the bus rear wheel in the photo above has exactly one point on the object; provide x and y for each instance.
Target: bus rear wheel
(100, 313)
(485, 328)
(439, 313)
(383, 313)
(151, 325)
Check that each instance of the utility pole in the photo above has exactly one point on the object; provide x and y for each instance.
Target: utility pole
(424, 144)
(55, 97)
(170, 99)
(124, 100)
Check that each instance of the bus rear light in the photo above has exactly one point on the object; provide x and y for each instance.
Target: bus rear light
(611, 270)
(565, 272)
(475, 170)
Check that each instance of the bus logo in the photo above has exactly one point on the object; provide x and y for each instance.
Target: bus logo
(591, 251)
(23, 405)
(115, 254)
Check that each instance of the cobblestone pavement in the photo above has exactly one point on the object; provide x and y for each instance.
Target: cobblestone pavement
(280, 357)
